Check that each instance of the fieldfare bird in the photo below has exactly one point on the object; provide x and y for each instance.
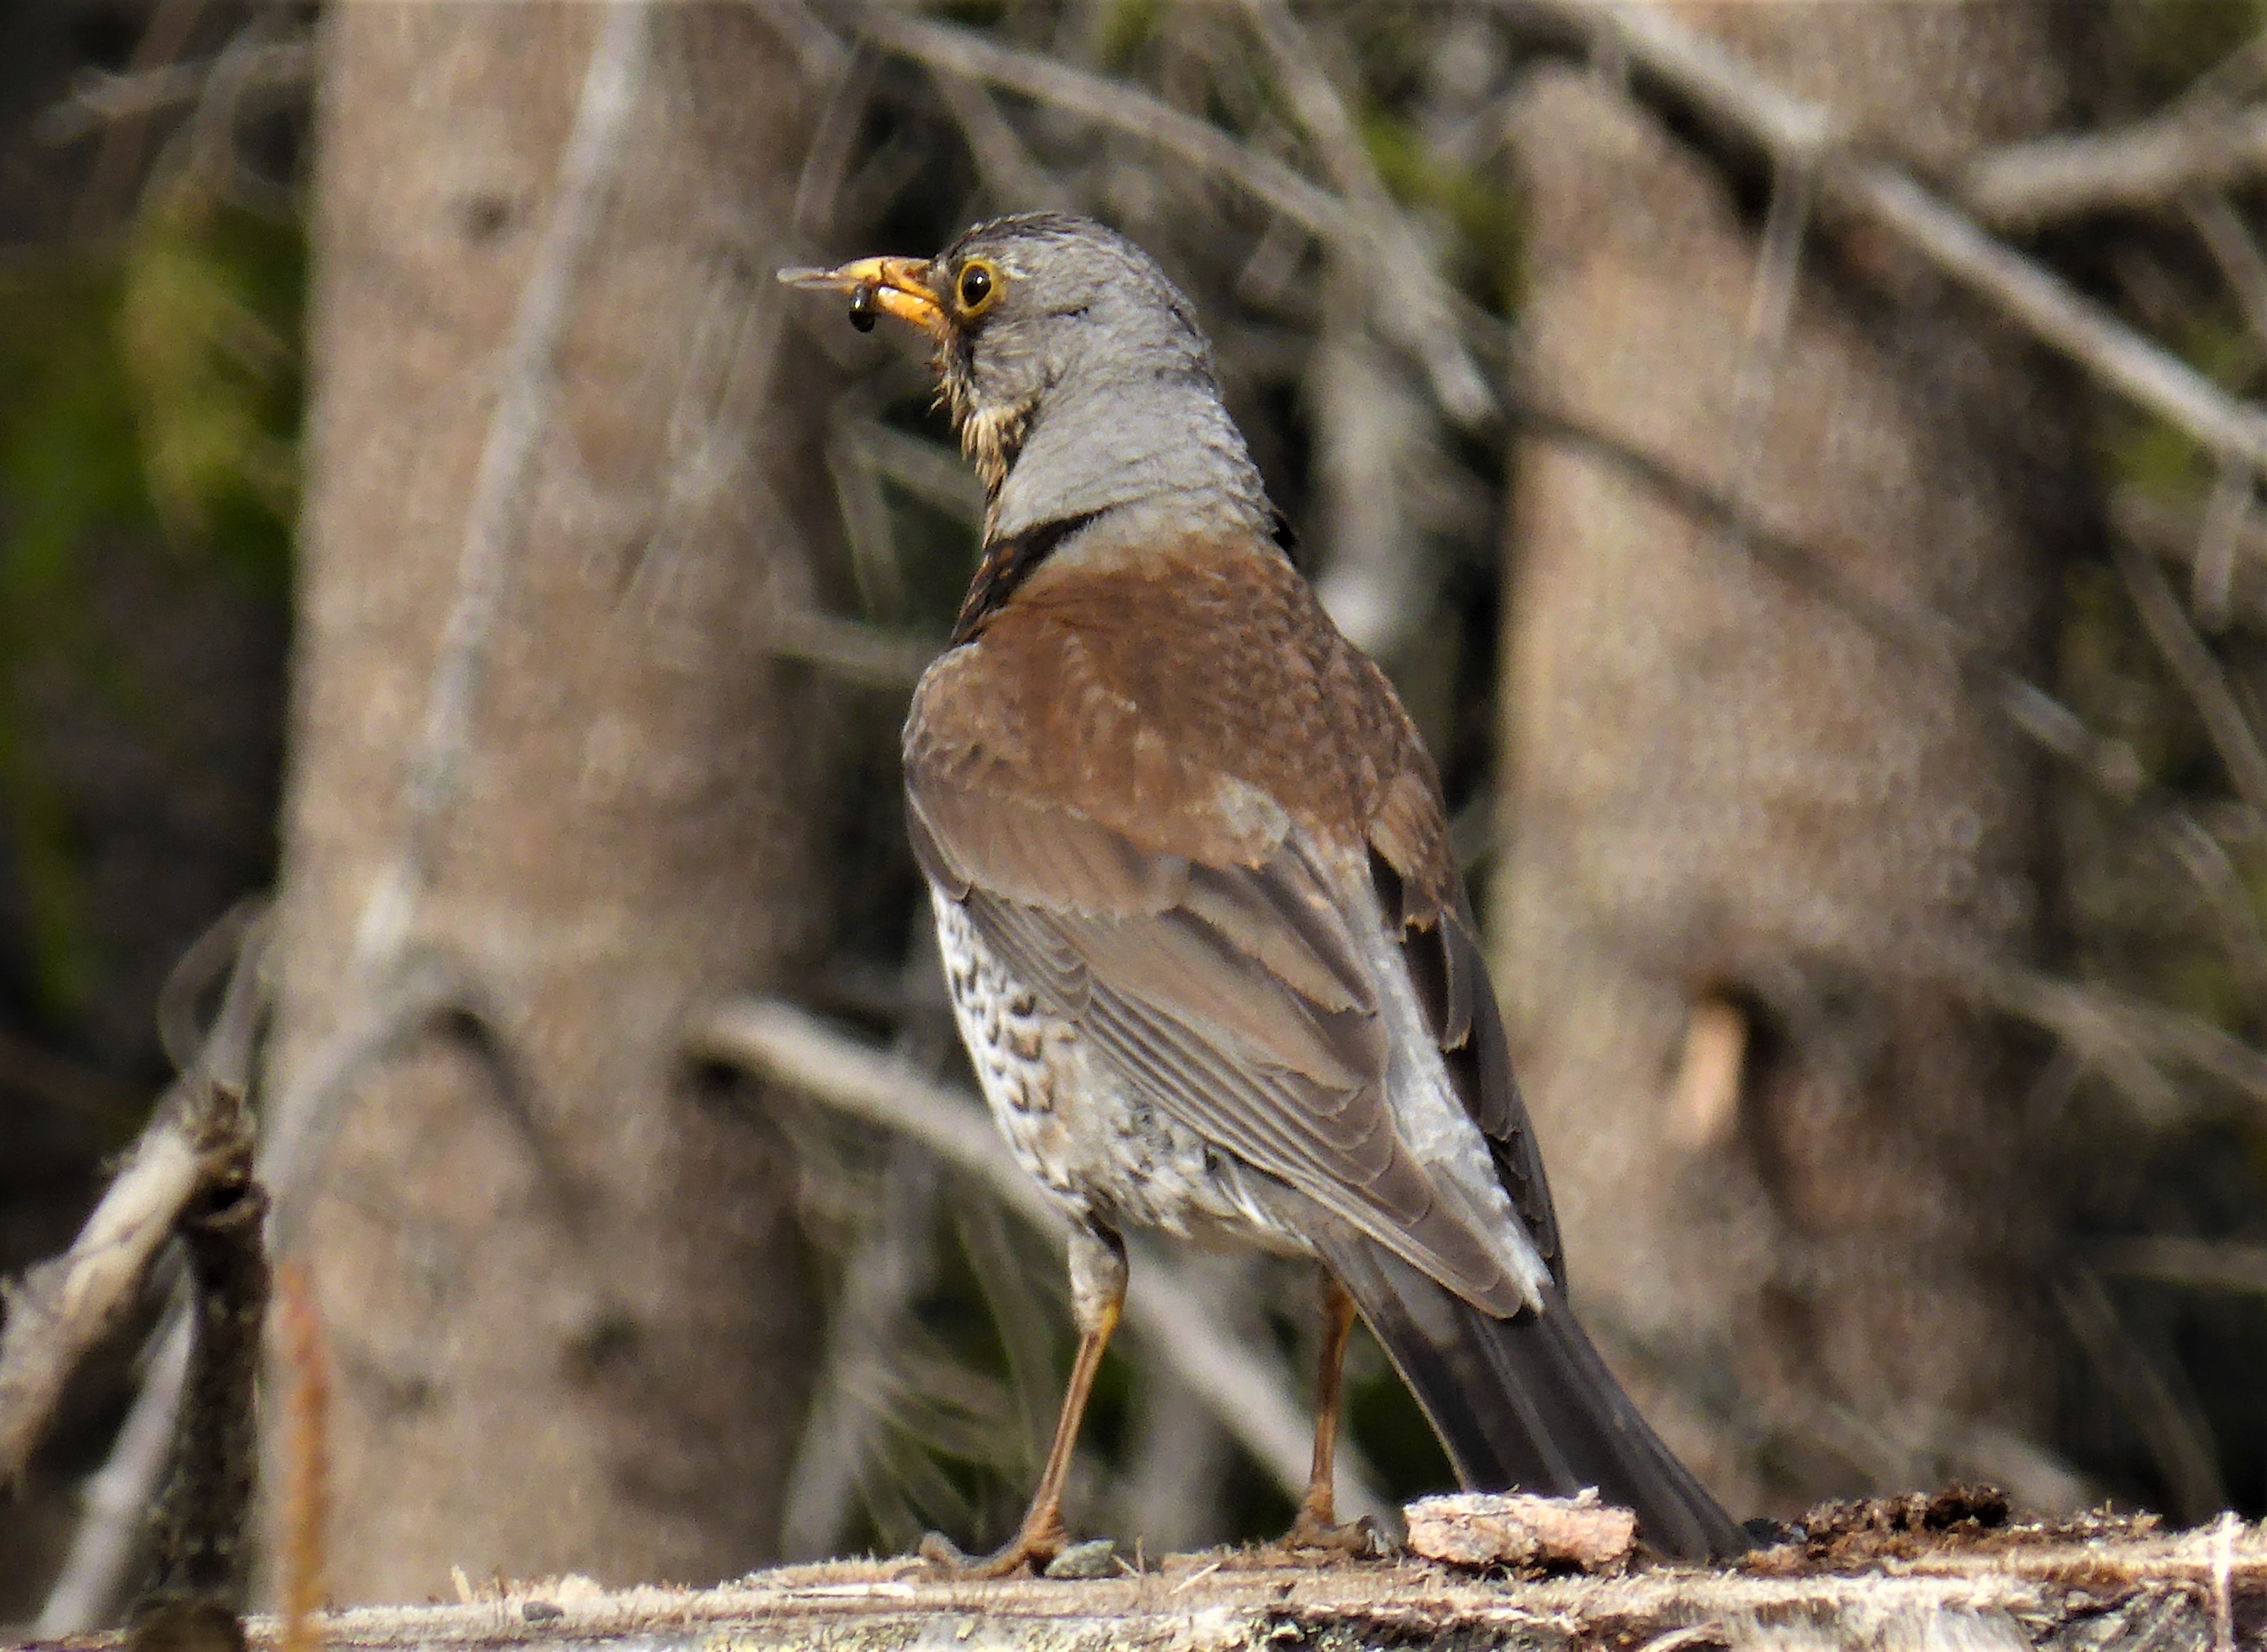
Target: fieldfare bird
(1211, 959)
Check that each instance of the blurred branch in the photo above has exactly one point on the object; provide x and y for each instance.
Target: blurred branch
(2200, 855)
(115, 1501)
(1015, 179)
(932, 474)
(2201, 1264)
(1411, 305)
(2146, 166)
(1408, 293)
(97, 99)
(2185, 534)
(1794, 131)
(942, 47)
(821, 57)
(855, 652)
(118, 157)
(1245, 1386)
(2126, 1036)
(2178, 1439)
(2222, 229)
(1924, 635)
(886, 1271)
(2198, 674)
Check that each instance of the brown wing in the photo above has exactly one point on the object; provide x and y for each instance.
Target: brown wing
(1185, 906)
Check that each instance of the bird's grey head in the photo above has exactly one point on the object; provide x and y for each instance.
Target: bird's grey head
(1075, 371)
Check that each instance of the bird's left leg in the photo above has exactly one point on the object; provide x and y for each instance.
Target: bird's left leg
(1317, 1526)
(1097, 1295)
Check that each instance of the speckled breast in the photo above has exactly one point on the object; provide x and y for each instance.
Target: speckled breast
(1107, 1157)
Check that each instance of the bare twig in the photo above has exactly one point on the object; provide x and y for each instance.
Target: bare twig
(855, 652)
(2182, 533)
(2222, 230)
(64, 1307)
(2199, 674)
(820, 56)
(2146, 166)
(118, 157)
(1017, 180)
(2200, 855)
(884, 1275)
(2130, 1038)
(1794, 131)
(931, 474)
(1412, 296)
(1409, 306)
(197, 1524)
(97, 99)
(116, 1503)
(180, 1028)
(1124, 108)
(2212, 583)
(2200, 1264)
(2175, 1438)
(1245, 1386)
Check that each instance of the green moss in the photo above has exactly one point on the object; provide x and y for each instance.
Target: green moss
(1128, 29)
(208, 333)
(1486, 239)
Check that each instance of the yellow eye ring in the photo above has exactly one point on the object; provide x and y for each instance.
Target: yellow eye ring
(977, 287)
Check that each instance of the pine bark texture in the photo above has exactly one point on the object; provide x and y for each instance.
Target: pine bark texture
(568, 1316)
(1748, 843)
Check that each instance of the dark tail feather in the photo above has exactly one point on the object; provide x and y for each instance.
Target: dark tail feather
(1526, 1404)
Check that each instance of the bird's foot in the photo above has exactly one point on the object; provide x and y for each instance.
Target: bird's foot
(1358, 1539)
(1030, 1550)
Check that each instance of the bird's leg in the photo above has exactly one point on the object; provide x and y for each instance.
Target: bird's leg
(1317, 1526)
(1098, 1295)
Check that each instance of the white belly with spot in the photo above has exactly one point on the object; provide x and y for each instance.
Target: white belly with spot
(1106, 1156)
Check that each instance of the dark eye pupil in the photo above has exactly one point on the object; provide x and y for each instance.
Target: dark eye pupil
(975, 288)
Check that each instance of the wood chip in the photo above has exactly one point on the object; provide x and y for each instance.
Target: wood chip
(1514, 1529)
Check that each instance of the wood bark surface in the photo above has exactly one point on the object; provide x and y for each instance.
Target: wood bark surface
(2108, 1592)
(1749, 844)
(561, 1279)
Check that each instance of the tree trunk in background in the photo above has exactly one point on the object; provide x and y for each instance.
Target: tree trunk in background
(580, 1344)
(1791, 1160)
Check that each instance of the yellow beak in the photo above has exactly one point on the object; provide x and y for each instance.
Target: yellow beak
(895, 286)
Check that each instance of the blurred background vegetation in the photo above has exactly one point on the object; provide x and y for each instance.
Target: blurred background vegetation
(154, 201)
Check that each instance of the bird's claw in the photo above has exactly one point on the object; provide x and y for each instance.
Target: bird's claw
(1028, 1550)
(1358, 1539)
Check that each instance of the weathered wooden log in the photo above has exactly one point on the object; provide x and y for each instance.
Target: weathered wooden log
(1870, 1580)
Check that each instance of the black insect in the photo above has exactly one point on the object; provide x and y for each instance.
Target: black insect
(863, 313)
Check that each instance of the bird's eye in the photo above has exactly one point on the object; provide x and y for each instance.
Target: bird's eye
(979, 285)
